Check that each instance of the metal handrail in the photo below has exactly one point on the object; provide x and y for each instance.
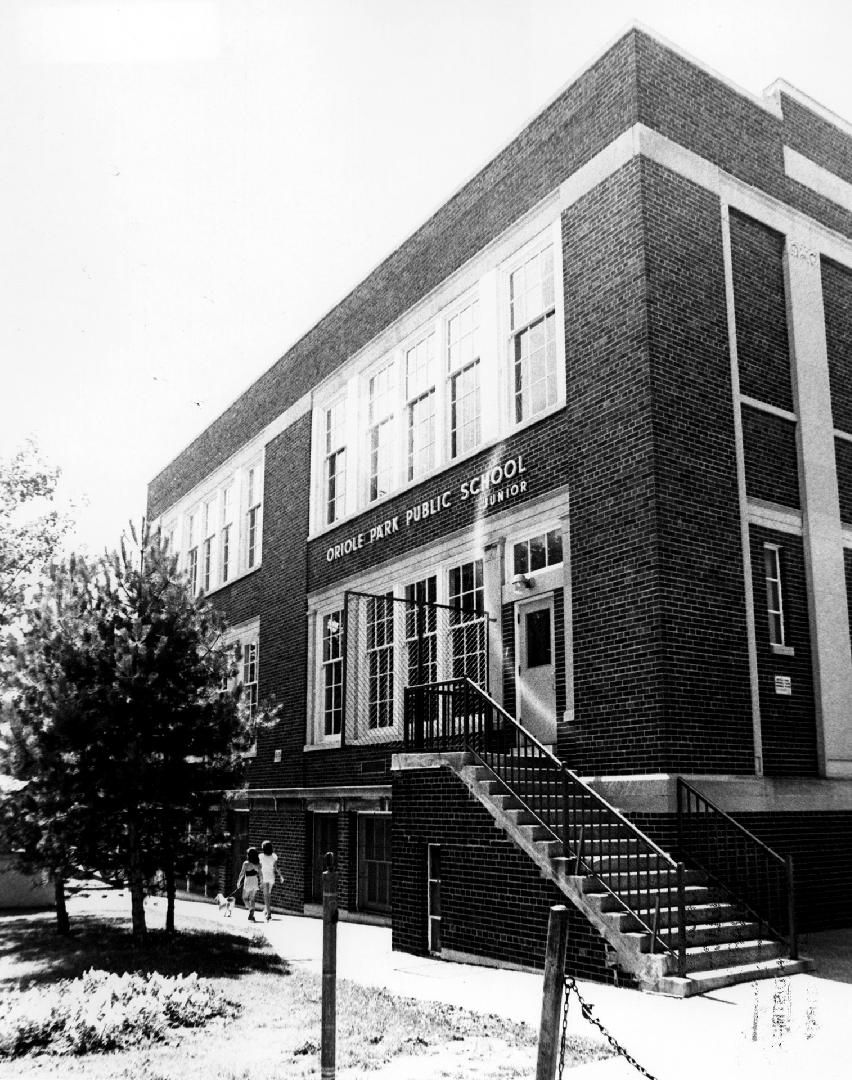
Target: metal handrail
(637, 832)
(744, 896)
(476, 726)
(683, 784)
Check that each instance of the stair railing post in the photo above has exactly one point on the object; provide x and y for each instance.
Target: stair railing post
(679, 817)
(655, 926)
(566, 816)
(791, 910)
(681, 922)
(554, 986)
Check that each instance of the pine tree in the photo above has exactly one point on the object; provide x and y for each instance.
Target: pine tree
(130, 683)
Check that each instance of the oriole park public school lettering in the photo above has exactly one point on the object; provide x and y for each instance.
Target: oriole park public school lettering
(498, 484)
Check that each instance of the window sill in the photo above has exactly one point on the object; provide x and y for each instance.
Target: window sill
(410, 485)
(783, 650)
(332, 744)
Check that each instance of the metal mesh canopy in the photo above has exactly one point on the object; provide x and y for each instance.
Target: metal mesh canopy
(391, 642)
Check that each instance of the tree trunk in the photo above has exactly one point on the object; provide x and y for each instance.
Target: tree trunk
(137, 883)
(63, 923)
(169, 871)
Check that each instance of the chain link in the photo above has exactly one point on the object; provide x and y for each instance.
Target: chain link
(588, 1014)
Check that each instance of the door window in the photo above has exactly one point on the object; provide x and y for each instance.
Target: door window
(539, 652)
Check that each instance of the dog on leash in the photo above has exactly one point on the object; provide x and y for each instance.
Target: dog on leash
(226, 905)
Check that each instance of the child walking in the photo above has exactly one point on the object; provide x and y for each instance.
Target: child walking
(250, 880)
(268, 871)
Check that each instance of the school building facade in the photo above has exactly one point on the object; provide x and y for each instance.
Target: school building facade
(575, 464)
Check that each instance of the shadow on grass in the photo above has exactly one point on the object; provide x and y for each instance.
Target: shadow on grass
(42, 956)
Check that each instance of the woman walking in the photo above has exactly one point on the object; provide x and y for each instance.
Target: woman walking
(250, 880)
(268, 872)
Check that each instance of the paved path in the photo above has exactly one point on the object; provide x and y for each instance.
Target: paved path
(794, 1027)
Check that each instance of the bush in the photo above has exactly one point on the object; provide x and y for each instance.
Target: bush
(103, 1011)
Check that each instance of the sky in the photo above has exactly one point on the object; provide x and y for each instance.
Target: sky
(189, 185)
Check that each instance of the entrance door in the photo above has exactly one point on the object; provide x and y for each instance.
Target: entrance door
(534, 651)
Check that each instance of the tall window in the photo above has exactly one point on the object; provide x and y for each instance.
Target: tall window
(533, 321)
(253, 519)
(463, 367)
(207, 550)
(380, 666)
(774, 596)
(382, 390)
(468, 638)
(335, 462)
(420, 397)
(192, 555)
(250, 676)
(421, 631)
(332, 672)
(225, 535)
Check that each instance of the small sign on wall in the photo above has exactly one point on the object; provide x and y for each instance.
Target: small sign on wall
(277, 754)
(783, 684)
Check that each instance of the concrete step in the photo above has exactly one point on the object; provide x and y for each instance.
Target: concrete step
(702, 982)
(651, 880)
(696, 915)
(732, 954)
(694, 894)
(717, 933)
(534, 831)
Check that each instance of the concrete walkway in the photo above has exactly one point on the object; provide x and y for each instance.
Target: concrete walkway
(780, 1028)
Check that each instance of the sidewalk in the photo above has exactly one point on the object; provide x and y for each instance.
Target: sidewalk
(776, 1028)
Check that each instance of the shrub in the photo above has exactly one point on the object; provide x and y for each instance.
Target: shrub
(104, 1011)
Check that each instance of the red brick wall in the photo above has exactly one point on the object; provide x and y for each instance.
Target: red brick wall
(695, 109)
(763, 348)
(843, 459)
(610, 456)
(703, 670)
(494, 900)
(637, 80)
(837, 299)
(771, 461)
(788, 724)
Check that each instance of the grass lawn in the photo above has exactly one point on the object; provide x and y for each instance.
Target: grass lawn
(276, 1034)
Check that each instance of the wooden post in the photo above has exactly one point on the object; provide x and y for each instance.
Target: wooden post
(549, 1036)
(329, 969)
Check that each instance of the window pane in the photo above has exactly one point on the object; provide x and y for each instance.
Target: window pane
(554, 547)
(531, 288)
(381, 459)
(465, 410)
(522, 558)
(538, 638)
(421, 435)
(420, 367)
(535, 368)
(538, 553)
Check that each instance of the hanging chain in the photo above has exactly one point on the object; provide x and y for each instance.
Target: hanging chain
(563, 1039)
(588, 1014)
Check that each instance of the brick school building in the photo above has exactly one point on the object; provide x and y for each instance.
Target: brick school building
(541, 543)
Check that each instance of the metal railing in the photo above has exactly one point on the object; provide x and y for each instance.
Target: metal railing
(639, 877)
(758, 879)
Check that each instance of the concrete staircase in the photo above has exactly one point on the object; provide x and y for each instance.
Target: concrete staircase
(722, 946)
